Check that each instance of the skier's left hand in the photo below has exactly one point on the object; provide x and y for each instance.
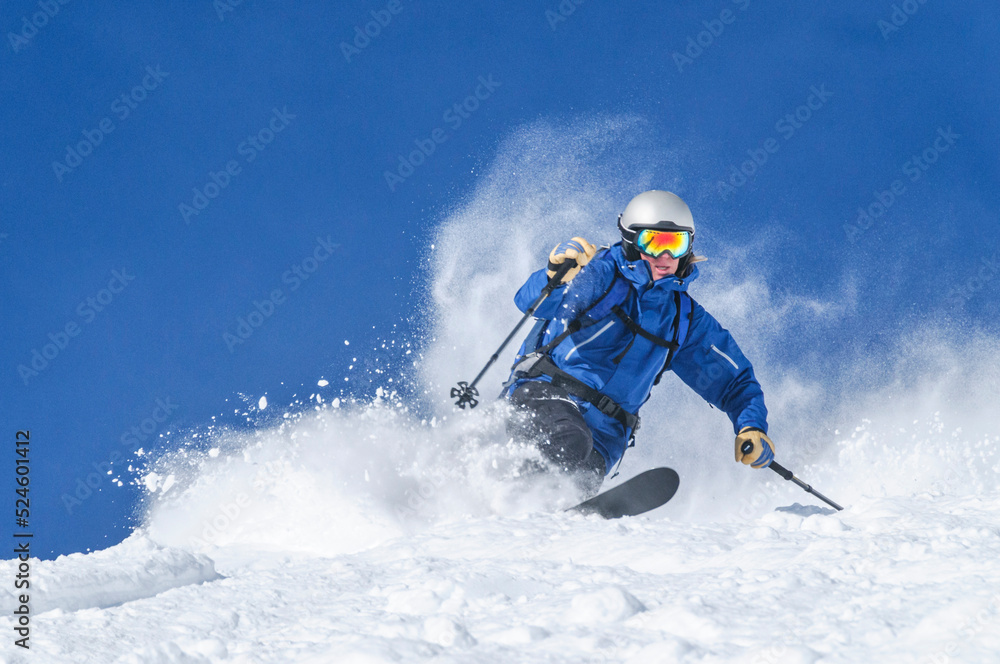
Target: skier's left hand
(754, 448)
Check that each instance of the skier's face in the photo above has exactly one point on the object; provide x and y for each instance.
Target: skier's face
(664, 266)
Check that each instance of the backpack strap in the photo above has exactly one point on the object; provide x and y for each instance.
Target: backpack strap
(635, 328)
(682, 323)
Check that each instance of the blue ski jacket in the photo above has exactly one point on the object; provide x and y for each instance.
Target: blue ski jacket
(708, 361)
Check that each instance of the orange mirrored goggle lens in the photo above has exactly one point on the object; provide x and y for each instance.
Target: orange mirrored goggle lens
(656, 243)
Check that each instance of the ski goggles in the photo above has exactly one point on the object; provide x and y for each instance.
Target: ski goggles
(656, 243)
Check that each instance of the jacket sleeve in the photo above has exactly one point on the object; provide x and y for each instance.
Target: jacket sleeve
(713, 365)
(565, 302)
(530, 291)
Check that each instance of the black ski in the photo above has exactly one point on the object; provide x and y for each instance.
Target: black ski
(646, 491)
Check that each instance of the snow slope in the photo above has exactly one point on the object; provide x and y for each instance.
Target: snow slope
(399, 530)
(891, 579)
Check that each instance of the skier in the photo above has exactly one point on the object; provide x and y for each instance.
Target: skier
(617, 321)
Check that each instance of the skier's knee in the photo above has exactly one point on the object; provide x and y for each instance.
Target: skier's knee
(568, 445)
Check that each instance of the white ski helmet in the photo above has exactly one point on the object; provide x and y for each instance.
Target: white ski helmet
(660, 210)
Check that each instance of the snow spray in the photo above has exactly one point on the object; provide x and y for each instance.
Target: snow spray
(343, 476)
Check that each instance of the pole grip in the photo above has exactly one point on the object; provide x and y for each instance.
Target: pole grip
(565, 267)
(781, 470)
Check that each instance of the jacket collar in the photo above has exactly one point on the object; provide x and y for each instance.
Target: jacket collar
(638, 273)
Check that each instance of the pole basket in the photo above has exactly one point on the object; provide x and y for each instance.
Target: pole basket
(466, 395)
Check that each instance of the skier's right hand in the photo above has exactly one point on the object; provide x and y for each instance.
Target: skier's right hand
(576, 249)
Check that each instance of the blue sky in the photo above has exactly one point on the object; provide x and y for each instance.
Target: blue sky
(278, 125)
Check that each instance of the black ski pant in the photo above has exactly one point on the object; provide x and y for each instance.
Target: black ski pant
(546, 416)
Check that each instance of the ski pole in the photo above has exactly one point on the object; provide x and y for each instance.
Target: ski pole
(787, 474)
(466, 393)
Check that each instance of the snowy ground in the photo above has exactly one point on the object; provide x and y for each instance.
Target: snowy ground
(888, 580)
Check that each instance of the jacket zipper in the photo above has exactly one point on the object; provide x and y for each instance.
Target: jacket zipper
(728, 359)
